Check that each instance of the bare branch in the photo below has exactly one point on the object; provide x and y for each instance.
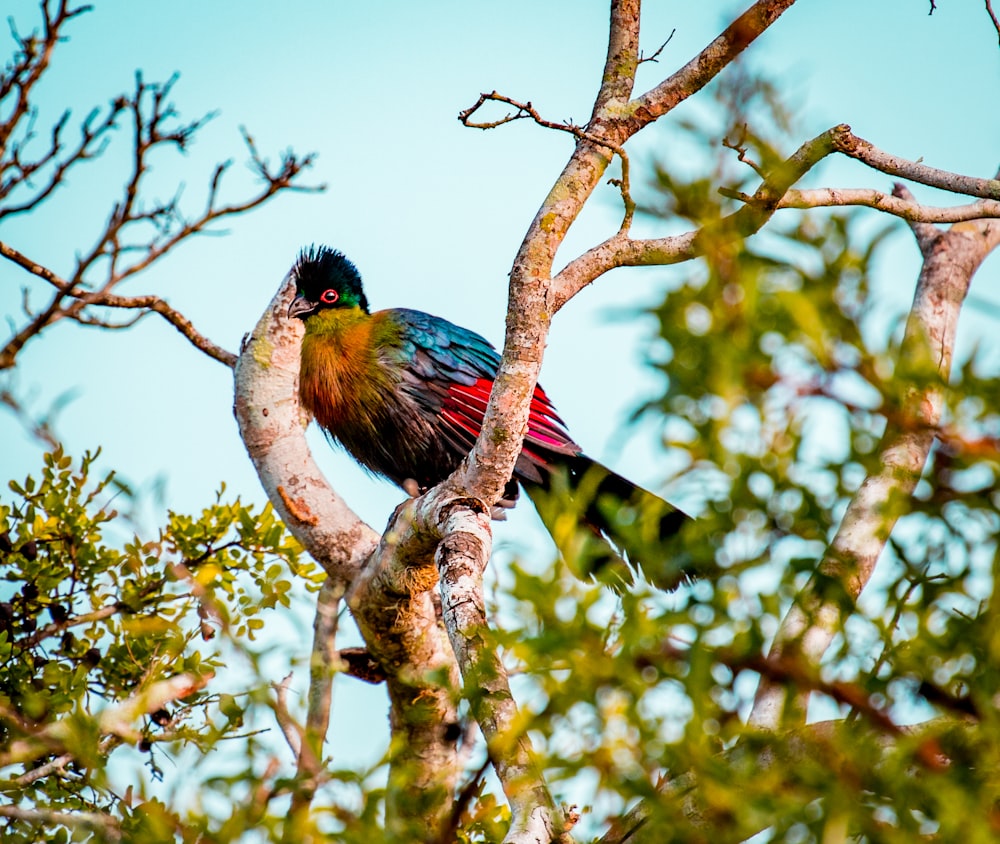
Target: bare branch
(154, 304)
(289, 729)
(135, 235)
(91, 144)
(655, 57)
(620, 250)
(704, 67)
(993, 17)
(50, 315)
(82, 299)
(526, 110)
(775, 193)
(622, 58)
(11, 254)
(323, 665)
(850, 144)
(739, 146)
(899, 206)
(150, 131)
(30, 64)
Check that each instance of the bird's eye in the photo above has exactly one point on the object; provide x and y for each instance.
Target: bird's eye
(328, 297)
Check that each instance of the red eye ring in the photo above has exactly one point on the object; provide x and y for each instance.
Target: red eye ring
(329, 297)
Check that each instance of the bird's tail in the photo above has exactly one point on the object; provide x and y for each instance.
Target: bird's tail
(601, 521)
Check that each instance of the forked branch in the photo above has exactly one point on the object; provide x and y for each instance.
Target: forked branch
(136, 234)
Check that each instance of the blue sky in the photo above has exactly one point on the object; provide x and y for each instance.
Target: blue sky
(432, 212)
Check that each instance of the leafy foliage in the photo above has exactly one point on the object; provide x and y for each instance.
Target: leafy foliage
(780, 374)
(88, 625)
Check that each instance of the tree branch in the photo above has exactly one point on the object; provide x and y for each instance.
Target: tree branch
(462, 557)
(704, 67)
(774, 193)
(621, 250)
(135, 235)
(83, 299)
(923, 368)
(107, 826)
(850, 144)
(390, 594)
(906, 209)
(925, 233)
(116, 720)
(30, 64)
(993, 17)
(91, 144)
(323, 665)
(289, 729)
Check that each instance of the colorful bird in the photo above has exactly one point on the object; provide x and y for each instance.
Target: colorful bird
(405, 393)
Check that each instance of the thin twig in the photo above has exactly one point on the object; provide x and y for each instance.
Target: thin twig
(289, 729)
(993, 17)
(465, 795)
(739, 146)
(527, 110)
(125, 247)
(655, 57)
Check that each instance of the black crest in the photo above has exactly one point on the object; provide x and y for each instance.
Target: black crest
(320, 268)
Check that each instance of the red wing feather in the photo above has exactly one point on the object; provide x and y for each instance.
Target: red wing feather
(465, 406)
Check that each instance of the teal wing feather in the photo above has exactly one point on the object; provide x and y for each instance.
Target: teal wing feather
(448, 372)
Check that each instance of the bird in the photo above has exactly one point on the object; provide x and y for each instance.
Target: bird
(405, 392)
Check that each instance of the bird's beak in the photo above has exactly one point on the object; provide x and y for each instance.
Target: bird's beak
(301, 307)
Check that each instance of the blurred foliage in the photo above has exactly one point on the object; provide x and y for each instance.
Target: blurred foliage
(780, 373)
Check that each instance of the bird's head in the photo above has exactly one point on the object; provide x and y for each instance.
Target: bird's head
(324, 279)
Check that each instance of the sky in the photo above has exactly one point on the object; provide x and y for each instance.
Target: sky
(430, 211)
